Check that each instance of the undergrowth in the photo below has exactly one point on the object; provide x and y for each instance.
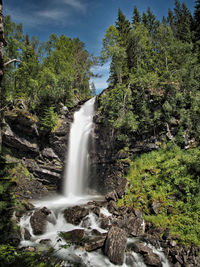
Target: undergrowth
(169, 180)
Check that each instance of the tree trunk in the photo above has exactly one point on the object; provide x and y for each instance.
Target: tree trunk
(2, 44)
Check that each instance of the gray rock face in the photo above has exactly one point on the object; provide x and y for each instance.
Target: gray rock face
(16, 142)
(115, 245)
(38, 220)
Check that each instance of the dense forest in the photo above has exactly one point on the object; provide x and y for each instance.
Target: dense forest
(154, 93)
(45, 74)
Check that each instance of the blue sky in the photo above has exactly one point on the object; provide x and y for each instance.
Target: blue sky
(86, 19)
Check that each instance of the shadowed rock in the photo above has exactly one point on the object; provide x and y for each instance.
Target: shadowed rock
(75, 214)
(38, 220)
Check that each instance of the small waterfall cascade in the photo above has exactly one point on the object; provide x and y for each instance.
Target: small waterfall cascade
(76, 172)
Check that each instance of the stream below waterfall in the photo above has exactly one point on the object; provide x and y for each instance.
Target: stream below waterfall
(75, 195)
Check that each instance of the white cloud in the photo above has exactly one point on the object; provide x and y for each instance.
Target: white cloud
(52, 14)
(77, 4)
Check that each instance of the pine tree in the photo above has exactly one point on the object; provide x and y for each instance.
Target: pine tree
(152, 24)
(123, 26)
(144, 19)
(197, 21)
(136, 16)
(182, 22)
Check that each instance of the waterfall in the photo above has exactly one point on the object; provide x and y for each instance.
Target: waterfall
(76, 172)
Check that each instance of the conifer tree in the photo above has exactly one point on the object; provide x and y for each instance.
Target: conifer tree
(152, 24)
(123, 27)
(136, 16)
(197, 21)
(144, 19)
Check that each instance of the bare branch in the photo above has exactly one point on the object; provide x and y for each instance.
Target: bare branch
(10, 61)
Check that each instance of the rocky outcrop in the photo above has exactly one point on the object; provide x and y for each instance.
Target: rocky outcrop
(38, 220)
(115, 245)
(41, 152)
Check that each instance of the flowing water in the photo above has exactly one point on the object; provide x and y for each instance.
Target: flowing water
(76, 172)
(74, 193)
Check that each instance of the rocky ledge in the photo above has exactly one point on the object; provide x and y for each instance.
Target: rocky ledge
(41, 152)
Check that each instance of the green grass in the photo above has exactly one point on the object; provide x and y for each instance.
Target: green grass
(169, 177)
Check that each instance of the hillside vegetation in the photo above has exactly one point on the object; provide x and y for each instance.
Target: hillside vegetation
(154, 94)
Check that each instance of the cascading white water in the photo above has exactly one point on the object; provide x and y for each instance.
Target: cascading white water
(75, 178)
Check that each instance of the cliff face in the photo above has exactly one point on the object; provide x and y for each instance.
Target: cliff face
(42, 153)
(109, 158)
(109, 164)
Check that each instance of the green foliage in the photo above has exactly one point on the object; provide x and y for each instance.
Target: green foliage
(10, 256)
(49, 120)
(156, 63)
(169, 177)
(47, 73)
(6, 201)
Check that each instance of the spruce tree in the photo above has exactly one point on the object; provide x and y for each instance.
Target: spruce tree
(197, 21)
(136, 16)
(123, 26)
(144, 19)
(152, 24)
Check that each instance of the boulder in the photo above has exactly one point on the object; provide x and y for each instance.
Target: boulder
(27, 235)
(115, 245)
(75, 214)
(152, 259)
(105, 223)
(93, 243)
(74, 236)
(38, 220)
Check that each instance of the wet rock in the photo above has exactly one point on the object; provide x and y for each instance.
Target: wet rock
(27, 235)
(105, 223)
(152, 259)
(45, 242)
(122, 187)
(73, 236)
(75, 214)
(115, 245)
(111, 196)
(149, 257)
(93, 243)
(38, 220)
(112, 207)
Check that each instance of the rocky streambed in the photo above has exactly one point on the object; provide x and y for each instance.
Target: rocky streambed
(97, 232)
